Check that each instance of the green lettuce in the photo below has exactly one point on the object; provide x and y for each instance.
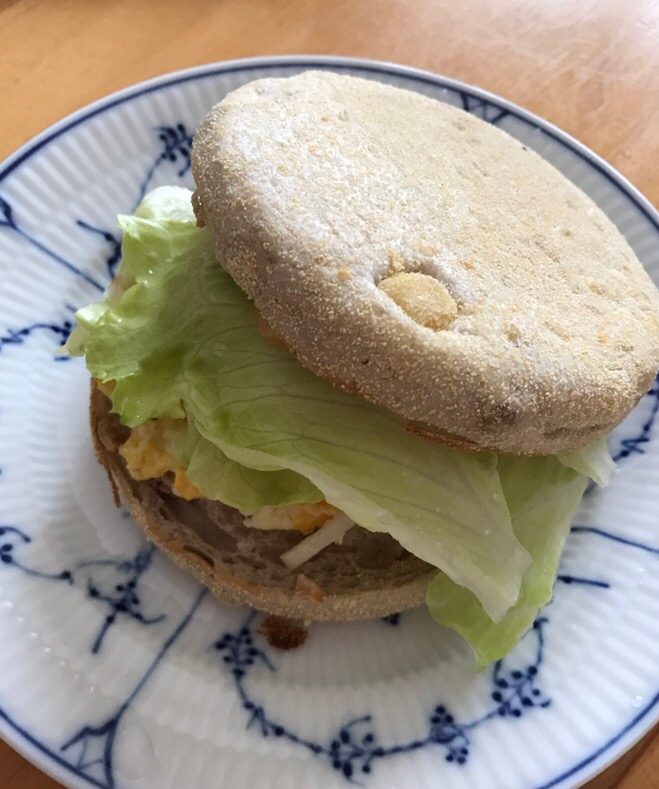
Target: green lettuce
(235, 484)
(180, 340)
(593, 461)
(542, 494)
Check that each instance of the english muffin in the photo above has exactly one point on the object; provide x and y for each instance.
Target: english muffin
(397, 244)
(374, 365)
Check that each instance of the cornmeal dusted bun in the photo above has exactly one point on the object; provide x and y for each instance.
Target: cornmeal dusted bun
(369, 575)
(410, 252)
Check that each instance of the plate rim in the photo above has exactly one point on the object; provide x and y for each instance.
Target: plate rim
(179, 76)
(19, 738)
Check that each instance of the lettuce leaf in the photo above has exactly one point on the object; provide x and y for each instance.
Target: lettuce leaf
(592, 461)
(542, 494)
(182, 341)
(247, 489)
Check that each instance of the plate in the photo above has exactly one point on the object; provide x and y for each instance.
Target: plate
(117, 671)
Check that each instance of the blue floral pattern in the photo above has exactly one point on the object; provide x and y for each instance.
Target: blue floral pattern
(9, 222)
(113, 241)
(637, 443)
(60, 331)
(482, 109)
(176, 147)
(112, 582)
(352, 749)
(13, 539)
(93, 745)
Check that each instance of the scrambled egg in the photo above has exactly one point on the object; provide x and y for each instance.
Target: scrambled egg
(303, 517)
(148, 453)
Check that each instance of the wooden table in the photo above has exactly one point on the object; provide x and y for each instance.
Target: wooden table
(589, 66)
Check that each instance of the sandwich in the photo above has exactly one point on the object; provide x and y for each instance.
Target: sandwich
(370, 363)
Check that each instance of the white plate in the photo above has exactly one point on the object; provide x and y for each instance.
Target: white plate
(116, 671)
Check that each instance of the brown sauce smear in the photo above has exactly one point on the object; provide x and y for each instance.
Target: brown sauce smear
(283, 633)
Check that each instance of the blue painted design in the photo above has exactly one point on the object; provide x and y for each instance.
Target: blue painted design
(18, 336)
(113, 582)
(615, 538)
(392, 619)
(481, 108)
(94, 745)
(595, 530)
(176, 147)
(8, 221)
(636, 444)
(573, 579)
(114, 241)
(12, 539)
(120, 594)
(354, 746)
(122, 599)
(638, 203)
(247, 66)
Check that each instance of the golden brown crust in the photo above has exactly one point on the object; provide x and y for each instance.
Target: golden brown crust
(556, 335)
(241, 565)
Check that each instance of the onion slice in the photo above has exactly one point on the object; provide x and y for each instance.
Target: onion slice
(332, 531)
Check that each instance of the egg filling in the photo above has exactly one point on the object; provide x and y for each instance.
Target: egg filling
(149, 454)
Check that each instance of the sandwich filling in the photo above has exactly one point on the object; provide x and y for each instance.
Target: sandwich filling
(228, 416)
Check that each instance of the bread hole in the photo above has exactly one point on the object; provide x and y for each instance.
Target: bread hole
(481, 170)
(251, 561)
(377, 551)
(542, 245)
(502, 414)
(558, 330)
(112, 435)
(164, 513)
(190, 514)
(513, 334)
(200, 554)
(423, 298)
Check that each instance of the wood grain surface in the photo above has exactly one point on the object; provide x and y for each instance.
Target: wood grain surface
(589, 66)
